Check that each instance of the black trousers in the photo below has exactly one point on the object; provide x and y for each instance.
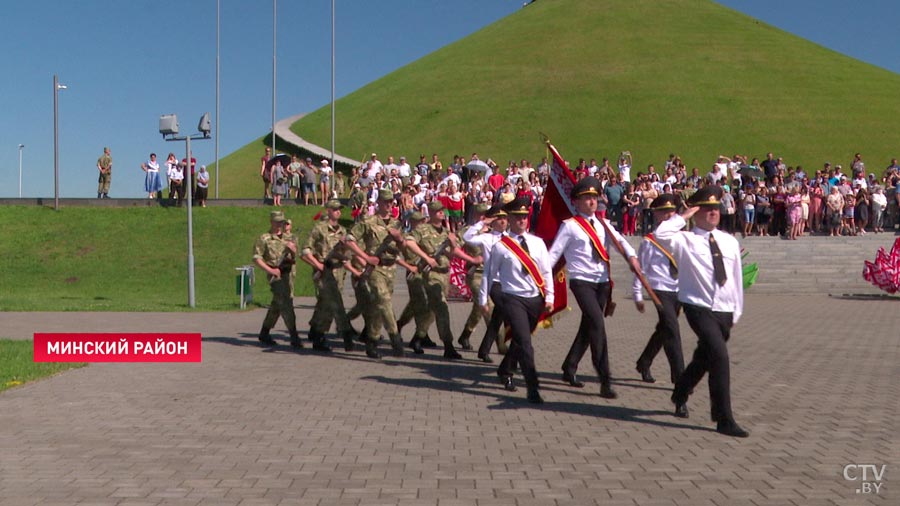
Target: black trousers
(522, 314)
(713, 330)
(666, 336)
(493, 327)
(592, 299)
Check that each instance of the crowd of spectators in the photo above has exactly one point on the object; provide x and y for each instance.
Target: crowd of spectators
(760, 198)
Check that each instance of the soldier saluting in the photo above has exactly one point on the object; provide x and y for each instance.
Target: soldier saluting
(661, 270)
(276, 256)
(325, 251)
(710, 288)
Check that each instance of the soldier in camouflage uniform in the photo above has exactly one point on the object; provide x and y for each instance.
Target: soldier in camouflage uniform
(417, 308)
(288, 235)
(426, 241)
(275, 255)
(473, 280)
(104, 166)
(374, 240)
(325, 252)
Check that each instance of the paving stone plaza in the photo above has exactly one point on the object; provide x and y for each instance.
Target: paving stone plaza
(814, 378)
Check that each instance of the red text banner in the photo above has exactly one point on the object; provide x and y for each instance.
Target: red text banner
(117, 347)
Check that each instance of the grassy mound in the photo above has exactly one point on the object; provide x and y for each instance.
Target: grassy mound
(133, 259)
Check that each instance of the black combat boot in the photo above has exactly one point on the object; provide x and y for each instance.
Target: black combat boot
(416, 345)
(318, 339)
(464, 340)
(296, 342)
(348, 340)
(397, 345)
(265, 338)
(372, 349)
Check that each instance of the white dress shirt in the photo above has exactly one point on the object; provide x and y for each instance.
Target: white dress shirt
(503, 264)
(573, 243)
(655, 266)
(696, 283)
(475, 237)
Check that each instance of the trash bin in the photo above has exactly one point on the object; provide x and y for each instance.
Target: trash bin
(244, 284)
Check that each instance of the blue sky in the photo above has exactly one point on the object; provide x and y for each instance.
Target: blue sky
(127, 62)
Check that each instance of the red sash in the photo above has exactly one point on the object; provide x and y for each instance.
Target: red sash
(663, 250)
(592, 234)
(526, 260)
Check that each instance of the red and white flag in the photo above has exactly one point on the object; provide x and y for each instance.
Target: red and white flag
(556, 207)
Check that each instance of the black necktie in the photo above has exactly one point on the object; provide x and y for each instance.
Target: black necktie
(718, 264)
(594, 253)
(524, 245)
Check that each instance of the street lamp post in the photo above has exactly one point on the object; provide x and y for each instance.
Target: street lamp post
(21, 147)
(56, 88)
(168, 126)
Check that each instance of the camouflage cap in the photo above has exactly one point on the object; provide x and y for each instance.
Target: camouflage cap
(481, 208)
(435, 206)
(333, 204)
(276, 216)
(416, 216)
(385, 195)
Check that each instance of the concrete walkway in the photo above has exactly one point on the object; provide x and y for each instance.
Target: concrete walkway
(283, 131)
(813, 378)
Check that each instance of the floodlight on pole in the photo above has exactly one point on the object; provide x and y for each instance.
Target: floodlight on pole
(21, 147)
(274, 66)
(56, 88)
(217, 98)
(168, 127)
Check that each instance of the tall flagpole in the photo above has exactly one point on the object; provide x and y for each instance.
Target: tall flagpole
(274, 64)
(217, 98)
(333, 166)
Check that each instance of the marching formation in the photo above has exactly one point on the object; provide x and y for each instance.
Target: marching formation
(512, 275)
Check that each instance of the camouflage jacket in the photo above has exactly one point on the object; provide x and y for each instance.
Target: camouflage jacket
(273, 250)
(429, 238)
(370, 232)
(322, 241)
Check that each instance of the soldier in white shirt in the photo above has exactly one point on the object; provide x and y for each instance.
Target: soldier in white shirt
(485, 234)
(710, 287)
(587, 264)
(521, 263)
(661, 271)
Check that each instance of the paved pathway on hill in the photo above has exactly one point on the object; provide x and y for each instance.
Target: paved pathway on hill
(283, 130)
(814, 379)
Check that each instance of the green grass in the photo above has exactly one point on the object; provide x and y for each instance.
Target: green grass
(651, 76)
(17, 364)
(133, 259)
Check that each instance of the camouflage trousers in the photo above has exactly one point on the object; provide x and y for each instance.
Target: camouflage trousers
(473, 279)
(436, 286)
(330, 303)
(282, 305)
(103, 182)
(417, 307)
(378, 311)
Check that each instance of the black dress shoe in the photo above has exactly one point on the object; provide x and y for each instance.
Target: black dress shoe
(646, 377)
(320, 346)
(508, 384)
(572, 380)
(452, 354)
(266, 341)
(681, 411)
(486, 359)
(607, 392)
(296, 343)
(534, 397)
(732, 429)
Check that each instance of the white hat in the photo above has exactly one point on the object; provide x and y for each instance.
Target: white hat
(324, 162)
